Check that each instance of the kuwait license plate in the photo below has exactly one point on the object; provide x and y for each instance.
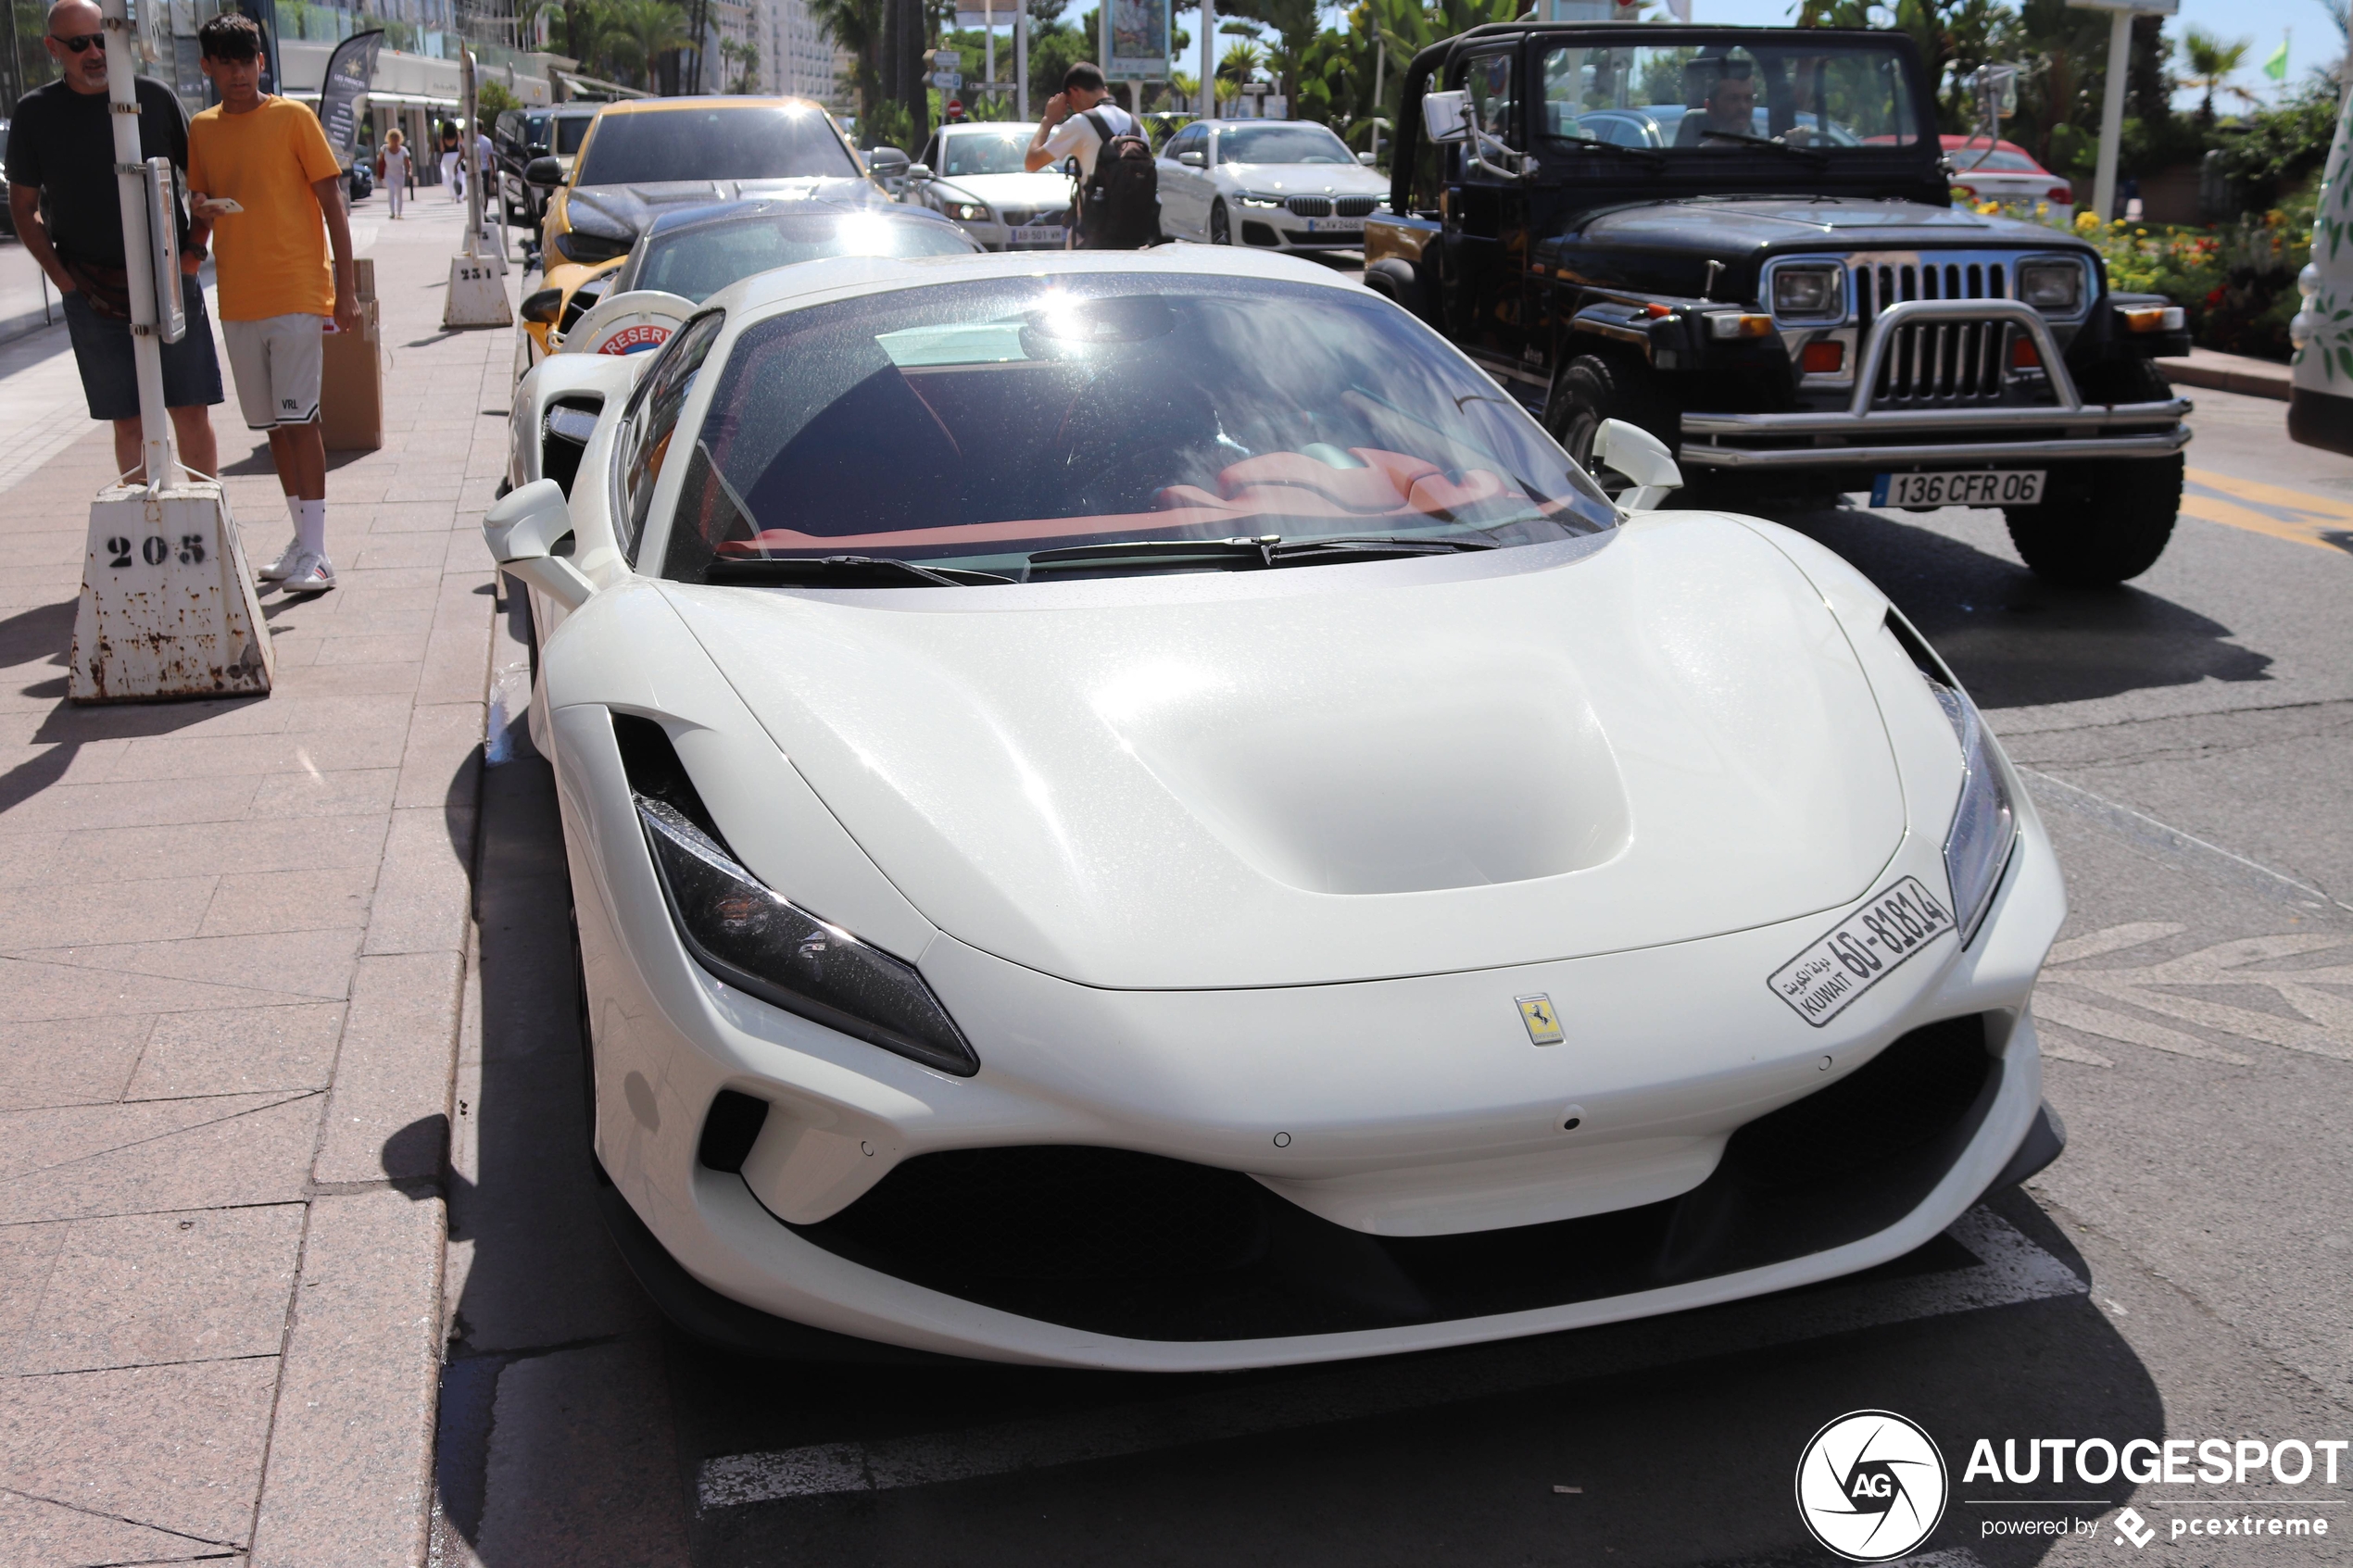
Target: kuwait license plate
(1861, 951)
(1335, 225)
(1971, 487)
(1039, 235)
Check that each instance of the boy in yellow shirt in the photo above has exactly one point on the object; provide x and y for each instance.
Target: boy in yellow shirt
(260, 171)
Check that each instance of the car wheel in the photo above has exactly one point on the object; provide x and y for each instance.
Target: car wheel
(2099, 523)
(1593, 387)
(1221, 229)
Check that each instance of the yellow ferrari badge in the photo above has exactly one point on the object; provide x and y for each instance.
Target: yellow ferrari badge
(1543, 1023)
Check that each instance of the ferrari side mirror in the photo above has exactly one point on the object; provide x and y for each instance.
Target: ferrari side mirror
(521, 528)
(1640, 456)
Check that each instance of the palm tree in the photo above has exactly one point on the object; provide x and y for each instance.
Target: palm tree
(1239, 61)
(646, 30)
(2211, 61)
(857, 26)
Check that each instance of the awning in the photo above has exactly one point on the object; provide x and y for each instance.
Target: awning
(411, 99)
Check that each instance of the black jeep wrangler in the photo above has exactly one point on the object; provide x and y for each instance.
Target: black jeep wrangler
(1743, 240)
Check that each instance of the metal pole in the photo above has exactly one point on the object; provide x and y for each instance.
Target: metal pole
(1020, 58)
(138, 257)
(466, 159)
(1209, 59)
(2119, 64)
(989, 43)
(1380, 58)
(1102, 11)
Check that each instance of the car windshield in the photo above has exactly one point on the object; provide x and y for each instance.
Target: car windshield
(570, 131)
(1714, 99)
(699, 261)
(974, 424)
(987, 152)
(1303, 142)
(741, 142)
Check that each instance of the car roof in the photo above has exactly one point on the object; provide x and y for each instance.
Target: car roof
(705, 101)
(1952, 141)
(843, 277)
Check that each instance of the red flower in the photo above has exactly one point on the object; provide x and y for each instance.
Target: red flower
(2214, 299)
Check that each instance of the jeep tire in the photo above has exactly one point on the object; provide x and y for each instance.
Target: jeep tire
(2099, 523)
(1593, 387)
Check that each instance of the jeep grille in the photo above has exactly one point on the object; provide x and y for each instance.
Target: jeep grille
(1943, 363)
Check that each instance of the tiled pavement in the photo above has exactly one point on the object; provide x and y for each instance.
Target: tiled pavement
(234, 969)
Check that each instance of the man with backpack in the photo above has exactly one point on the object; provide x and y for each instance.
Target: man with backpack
(1118, 180)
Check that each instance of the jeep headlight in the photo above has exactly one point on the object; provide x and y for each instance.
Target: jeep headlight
(1809, 294)
(1977, 844)
(2056, 286)
(765, 945)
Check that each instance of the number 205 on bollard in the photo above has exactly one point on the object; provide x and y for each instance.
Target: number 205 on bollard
(168, 608)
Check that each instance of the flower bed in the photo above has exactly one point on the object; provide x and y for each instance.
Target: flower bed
(2237, 281)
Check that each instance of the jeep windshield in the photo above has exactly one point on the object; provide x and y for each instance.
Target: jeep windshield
(1019, 426)
(1708, 100)
(739, 141)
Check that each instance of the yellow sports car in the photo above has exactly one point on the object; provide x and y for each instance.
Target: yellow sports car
(646, 156)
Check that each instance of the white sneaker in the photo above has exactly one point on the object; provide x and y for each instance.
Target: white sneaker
(308, 574)
(277, 570)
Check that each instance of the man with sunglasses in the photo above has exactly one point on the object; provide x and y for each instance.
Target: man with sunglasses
(65, 198)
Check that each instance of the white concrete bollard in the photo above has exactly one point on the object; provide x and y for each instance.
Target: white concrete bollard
(168, 604)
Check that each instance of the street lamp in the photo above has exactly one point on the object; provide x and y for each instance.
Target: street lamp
(2119, 64)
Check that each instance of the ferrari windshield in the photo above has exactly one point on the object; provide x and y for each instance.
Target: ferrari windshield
(700, 259)
(985, 152)
(740, 142)
(979, 425)
(1721, 97)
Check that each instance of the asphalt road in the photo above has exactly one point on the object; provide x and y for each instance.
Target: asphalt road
(2183, 1273)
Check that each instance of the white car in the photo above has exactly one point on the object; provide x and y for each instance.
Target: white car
(1276, 183)
(977, 179)
(2006, 172)
(1131, 810)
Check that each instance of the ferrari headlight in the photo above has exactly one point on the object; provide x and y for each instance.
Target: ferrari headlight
(751, 938)
(1809, 294)
(1984, 825)
(1255, 198)
(2051, 285)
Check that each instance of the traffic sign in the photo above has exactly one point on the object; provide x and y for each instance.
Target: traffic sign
(947, 81)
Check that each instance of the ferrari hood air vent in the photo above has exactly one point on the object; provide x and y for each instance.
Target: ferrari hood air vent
(655, 772)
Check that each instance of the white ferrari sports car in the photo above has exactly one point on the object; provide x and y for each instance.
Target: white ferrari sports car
(1133, 811)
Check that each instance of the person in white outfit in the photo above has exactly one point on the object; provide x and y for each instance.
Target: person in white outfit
(392, 167)
(452, 170)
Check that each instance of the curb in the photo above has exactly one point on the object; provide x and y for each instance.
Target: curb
(2229, 372)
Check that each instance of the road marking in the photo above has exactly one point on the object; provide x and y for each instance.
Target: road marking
(2323, 1025)
(2173, 845)
(2267, 508)
(2010, 1268)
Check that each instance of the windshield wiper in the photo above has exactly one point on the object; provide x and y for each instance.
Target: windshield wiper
(1266, 550)
(1820, 160)
(840, 571)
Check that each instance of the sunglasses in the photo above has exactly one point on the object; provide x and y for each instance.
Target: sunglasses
(86, 41)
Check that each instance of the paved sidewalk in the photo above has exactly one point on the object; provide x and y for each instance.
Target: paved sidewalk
(235, 956)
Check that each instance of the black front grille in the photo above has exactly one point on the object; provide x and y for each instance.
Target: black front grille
(1355, 206)
(1138, 1245)
(1311, 206)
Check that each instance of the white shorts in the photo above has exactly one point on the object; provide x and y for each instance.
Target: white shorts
(275, 364)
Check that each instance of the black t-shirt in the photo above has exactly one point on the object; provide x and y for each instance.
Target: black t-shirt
(63, 142)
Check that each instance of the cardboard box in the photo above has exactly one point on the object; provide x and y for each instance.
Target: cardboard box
(351, 384)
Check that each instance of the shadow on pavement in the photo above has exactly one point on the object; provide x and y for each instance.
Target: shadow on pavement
(2017, 640)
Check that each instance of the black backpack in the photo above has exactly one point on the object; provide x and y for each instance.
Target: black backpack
(1119, 209)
